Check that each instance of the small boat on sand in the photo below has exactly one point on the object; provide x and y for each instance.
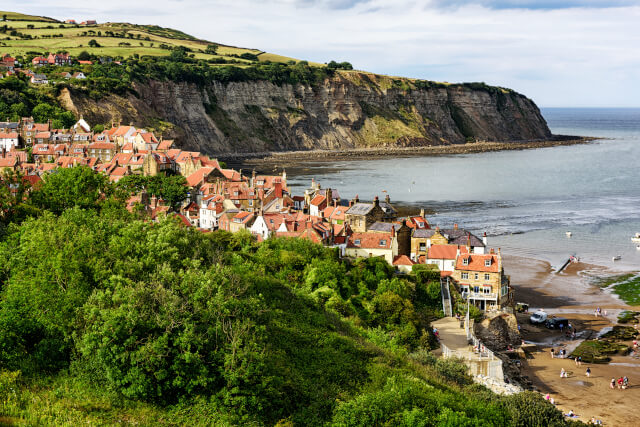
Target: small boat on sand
(568, 233)
(617, 258)
(636, 238)
(638, 247)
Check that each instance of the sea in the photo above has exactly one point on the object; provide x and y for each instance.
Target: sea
(525, 200)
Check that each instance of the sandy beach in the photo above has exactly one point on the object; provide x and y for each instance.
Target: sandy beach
(569, 294)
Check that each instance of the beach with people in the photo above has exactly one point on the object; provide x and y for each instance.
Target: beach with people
(608, 392)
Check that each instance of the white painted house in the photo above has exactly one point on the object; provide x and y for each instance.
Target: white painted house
(210, 212)
(8, 140)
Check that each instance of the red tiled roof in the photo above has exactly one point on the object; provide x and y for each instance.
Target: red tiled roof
(443, 252)
(198, 176)
(317, 201)
(8, 135)
(403, 260)
(370, 240)
(102, 146)
(8, 162)
(476, 262)
(165, 144)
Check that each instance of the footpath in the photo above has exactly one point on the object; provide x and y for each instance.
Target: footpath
(484, 366)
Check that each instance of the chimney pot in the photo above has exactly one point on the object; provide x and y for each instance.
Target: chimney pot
(455, 226)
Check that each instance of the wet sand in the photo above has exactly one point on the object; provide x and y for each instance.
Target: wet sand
(571, 295)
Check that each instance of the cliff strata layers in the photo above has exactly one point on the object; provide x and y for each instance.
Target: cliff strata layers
(349, 110)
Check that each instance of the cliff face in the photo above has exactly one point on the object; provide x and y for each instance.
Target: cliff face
(349, 110)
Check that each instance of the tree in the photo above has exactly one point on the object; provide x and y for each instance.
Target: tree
(93, 43)
(43, 112)
(211, 49)
(84, 56)
(65, 188)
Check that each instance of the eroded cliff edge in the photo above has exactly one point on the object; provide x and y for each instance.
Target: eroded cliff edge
(348, 110)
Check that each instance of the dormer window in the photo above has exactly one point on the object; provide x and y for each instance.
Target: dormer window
(356, 242)
(487, 262)
(383, 242)
(465, 261)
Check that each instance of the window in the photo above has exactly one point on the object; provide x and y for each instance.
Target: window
(476, 289)
(356, 242)
(465, 261)
(487, 276)
(423, 246)
(476, 276)
(487, 262)
(465, 275)
(383, 242)
(250, 202)
(486, 289)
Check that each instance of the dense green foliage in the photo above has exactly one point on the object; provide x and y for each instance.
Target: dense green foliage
(19, 99)
(166, 324)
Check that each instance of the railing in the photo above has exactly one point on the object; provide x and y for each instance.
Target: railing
(482, 295)
(446, 298)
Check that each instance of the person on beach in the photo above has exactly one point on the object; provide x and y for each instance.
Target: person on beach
(588, 373)
(612, 384)
(625, 382)
(563, 373)
(620, 381)
(552, 354)
(547, 396)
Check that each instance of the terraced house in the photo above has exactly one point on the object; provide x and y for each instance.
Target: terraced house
(481, 278)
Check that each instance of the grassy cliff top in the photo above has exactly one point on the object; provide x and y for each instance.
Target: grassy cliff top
(27, 34)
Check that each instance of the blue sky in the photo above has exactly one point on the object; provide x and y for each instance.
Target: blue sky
(576, 53)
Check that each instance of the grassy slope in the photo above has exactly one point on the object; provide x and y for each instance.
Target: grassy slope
(74, 42)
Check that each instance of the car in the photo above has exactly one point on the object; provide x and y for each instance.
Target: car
(557, 323)
(538, 317)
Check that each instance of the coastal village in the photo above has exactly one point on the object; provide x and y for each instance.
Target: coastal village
(226, 199)
(221, 198)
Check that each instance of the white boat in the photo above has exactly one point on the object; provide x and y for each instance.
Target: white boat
(638, 247)
(636, 238)
(568, 233)
(617, 258)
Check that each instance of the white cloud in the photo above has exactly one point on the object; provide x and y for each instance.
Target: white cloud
(558, 57)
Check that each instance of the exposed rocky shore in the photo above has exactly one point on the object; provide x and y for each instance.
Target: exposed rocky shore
(364, 153)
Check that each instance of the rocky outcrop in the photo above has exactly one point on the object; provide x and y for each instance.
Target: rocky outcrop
(348, 110)
(499, 331)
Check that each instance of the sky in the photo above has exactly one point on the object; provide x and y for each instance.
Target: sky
(571, 53)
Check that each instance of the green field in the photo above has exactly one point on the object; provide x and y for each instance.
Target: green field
(44, 35)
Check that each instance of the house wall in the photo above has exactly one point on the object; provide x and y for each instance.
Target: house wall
(366, 253)
(8, 143)
(415, 247)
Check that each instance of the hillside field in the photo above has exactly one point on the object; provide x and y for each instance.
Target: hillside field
(43, 35)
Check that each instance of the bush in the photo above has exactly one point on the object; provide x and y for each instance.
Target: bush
(529, 409)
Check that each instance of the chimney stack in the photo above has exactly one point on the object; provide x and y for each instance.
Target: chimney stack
(387, 199)
(484, 238)
(455, 226)
(376, 201)
(422, 212)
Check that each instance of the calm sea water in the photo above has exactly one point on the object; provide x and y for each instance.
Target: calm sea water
(526, 200)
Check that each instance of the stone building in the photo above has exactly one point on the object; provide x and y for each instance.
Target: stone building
(360, 216)
(481, 277)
